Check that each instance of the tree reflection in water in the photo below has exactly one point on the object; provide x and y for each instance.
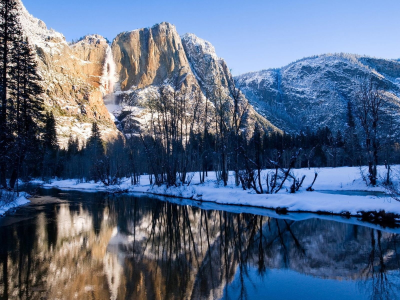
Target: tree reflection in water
(377, 283)
(92, 247)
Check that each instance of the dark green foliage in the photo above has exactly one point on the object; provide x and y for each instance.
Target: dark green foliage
(21, 105)
(73, 146)
(51, 163)
(94, 152)
(94, 146)
(50, 133)
(9, 30)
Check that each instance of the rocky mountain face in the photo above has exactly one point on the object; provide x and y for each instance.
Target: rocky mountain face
(72, 82)
(210, 70)
(92, 80)
(314, 92)
(80, 78)
(148, 58)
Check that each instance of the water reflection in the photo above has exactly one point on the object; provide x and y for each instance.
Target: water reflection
(90, 247)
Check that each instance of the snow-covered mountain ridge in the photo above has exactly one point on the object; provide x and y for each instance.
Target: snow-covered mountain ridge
(313, 92)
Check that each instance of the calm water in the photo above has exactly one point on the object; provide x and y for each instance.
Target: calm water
(72, 245)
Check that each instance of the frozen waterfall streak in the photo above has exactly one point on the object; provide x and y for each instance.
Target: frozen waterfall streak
(109, 77)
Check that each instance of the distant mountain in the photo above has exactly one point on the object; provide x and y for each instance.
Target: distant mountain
(313, 92)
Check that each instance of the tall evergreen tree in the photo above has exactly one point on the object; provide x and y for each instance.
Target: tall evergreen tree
(95, 144)
(95, 152)
(27, 105)
(21, 105)
(50, 134)
(351, 141)
(73, 146)
(9, 36)
(50, 146)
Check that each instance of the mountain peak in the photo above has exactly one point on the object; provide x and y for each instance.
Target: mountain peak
(149, 56)
(203, 46)
(35, 29)
(164, 25)
(91, 39)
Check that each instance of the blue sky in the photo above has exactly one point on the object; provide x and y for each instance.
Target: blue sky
(249, 35)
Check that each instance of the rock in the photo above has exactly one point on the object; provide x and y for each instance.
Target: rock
(149, 56)
(152, 57)
(71, 78)
(78, 77)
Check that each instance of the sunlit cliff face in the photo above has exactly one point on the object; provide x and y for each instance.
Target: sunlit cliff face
(143, 249)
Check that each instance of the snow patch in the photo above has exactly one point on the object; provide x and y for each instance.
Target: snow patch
(21, 200)
(37, 32)
(345, 179)
(202, 46)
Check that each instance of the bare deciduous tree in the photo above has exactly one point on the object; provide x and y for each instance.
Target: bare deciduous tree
(369, 101)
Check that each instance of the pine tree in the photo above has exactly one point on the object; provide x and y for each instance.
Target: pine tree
(94, 153)
(21, 105)
(73, 146)
(95, 144)
(9, 36)
(351, 141)
(27, 105)
(50, 134)
(50, 146)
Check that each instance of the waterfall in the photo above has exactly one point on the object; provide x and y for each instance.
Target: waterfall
(109, 77)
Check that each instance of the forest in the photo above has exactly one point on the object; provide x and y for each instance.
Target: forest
(175, 147)
(187, 133)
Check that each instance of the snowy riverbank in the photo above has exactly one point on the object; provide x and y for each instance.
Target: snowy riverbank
(337, 191)
(9, 200)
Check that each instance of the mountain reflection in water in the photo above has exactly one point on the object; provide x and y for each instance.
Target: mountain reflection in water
(88, 246)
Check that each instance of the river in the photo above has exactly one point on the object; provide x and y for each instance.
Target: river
(76, 245)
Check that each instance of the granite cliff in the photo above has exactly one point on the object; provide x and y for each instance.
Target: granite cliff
(91, 80)
(149, 58)
(71, 76)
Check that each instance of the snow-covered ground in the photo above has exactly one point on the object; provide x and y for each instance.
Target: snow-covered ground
(335, 192)
(18, 201)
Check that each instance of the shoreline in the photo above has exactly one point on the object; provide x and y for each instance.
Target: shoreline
(339, 191)
(386, 224)
(18, 201)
